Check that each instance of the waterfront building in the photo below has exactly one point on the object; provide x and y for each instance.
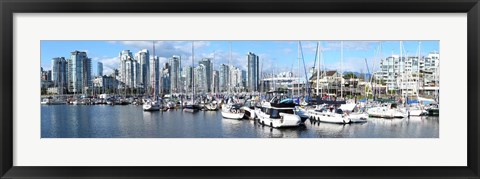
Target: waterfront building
(174, 74)
(129, 70)
(236, 79)
(99, 69)
(207, 63)
(143, 59)
(188, 73)
(216, 82)
(165, 79)
(46, 75)
(59, 74)
(44, 84)
(224, 76)
(253, 75)
(105, 84)
(154, 76)
(79, 72)
(329, 82)
(408, 75)
(244, 78)
(201, 79)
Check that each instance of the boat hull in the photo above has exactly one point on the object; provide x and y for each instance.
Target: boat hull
(285, 120)
(328, 117)
(230, 115)
(417, 112)
(151, 108)
(358, 118)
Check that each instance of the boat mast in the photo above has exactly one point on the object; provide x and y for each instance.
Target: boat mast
(212, 88)
(230, 58)
(298, 82)
(399, 62)
(193, 72)
(418, 66)
(341, 69)
(318, 67)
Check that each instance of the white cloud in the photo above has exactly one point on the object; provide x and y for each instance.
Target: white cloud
(109, 64)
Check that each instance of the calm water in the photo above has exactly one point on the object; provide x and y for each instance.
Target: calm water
(103, 121)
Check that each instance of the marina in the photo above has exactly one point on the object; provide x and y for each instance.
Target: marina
(141, 99)
(131, 121)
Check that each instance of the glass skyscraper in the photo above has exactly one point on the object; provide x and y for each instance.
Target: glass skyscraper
(79, 72)
(99, 69)
(253, 77)
(143, 58)
(59, 74)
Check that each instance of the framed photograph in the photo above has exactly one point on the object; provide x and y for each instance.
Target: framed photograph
(229, 89)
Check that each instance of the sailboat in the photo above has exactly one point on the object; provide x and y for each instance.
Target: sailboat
(231, 110)
(191, 106)
(152, 105)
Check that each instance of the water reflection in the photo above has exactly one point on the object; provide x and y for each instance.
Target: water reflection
(64, 121)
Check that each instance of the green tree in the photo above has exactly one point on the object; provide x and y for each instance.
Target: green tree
(349, 75)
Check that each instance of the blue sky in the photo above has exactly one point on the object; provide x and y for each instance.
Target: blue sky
(275, 55)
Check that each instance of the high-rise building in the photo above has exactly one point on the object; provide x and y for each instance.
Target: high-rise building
(174, 70)
(79, 72)
(165, 79)
(207, 63)
(154, 76)
(201, 79)
(244, 78)
(216, 82)
(143, 59)
(129, 70)
(224, 76)
(59, 74)
(99, 69)
(236, 79)
(253, 75)
(188, 78)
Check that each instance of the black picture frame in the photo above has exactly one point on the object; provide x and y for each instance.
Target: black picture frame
(9, 7)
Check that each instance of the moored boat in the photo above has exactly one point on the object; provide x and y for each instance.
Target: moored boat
(232, 111)
(277, 116)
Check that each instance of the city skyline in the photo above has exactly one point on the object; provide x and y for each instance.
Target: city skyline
(283, 53)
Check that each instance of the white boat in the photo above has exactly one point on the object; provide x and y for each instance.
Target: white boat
(329, 114)
(357, 117)
(277, 116)
(45, 101)
(150, 105)
(249, 108)
(232, 111)
(191, 107)
(386, 111)
(212, 106)
(249, 112)
(353, 113)
(76, 102)
(416, 110)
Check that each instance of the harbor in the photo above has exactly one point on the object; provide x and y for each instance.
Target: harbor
(397, 96)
